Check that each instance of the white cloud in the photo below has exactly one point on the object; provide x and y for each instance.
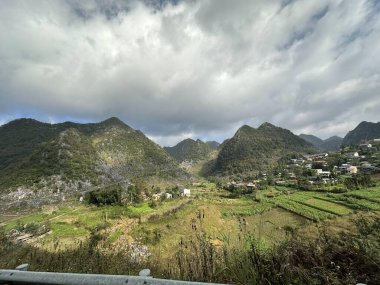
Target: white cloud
(198, 67)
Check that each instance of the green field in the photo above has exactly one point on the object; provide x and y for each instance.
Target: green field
(209, 209)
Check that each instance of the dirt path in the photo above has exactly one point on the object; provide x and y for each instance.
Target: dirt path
(62, 215)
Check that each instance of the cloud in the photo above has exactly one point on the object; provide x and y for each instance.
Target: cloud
(192, 68)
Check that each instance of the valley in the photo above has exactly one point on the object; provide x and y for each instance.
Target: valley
(106, 193)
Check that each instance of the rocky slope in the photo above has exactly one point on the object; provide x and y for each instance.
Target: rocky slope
(37, 157)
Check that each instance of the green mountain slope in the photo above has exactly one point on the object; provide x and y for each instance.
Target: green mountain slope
(330, 144)
(316, 141)
(34, 153)
(253, 150)
(363, 132)
(189, 150)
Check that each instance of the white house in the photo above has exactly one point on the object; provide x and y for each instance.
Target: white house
(168, 196)
(325, 174)
(353, 154)
(352, 169)
(185, 192)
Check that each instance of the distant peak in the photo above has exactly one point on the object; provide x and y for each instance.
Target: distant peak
(365, 123)
(23, 122)
(267, 125)
(113, 121)
(334, 138)
(245, 127)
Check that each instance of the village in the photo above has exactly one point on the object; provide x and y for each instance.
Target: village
(315, 171)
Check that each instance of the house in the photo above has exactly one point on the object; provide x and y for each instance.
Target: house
(368, 168)
(185, 192)
(280, 182)
(325, 174)
(251, 186)
(352, 169)
(365, 146)
(292, 175)
(168, 196)
(352, 154)
(344, 168)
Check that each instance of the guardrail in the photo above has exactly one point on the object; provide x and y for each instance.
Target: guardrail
(21, 276)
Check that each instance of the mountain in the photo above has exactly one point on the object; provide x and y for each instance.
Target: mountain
(363, 132)
(312, 139)
(68, 155)
(252, 150)
(213, 144)
(189, 150)
(330, 144)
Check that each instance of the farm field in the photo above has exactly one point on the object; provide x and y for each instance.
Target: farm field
(225, 220)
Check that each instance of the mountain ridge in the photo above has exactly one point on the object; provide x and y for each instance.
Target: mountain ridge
(254, 150)
(189, 150)
(361, 133)
(330, 144)
(31, 150)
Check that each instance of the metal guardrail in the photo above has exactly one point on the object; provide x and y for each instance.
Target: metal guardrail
(22, 276)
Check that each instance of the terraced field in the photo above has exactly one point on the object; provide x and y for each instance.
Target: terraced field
(210, 209)
(319, 206)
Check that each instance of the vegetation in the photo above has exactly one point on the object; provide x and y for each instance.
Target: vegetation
(330, 144)
(358, 181)
(364, 131)
(253, 150)
(344, 258)
(45, 155)
(189, 150)
(110, 195)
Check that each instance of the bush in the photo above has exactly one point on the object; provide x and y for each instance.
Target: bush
(358, 181)
(106, 196)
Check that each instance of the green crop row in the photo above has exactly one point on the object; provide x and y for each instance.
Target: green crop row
(302, 209)
(326, 206)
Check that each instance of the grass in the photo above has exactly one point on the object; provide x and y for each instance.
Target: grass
(225, 219)
(302, 209)
(254, 208)
(63, 230)
(342, 258)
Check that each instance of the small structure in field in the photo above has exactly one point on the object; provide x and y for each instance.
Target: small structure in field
(168, 196)
(185, 192)
(156, 196)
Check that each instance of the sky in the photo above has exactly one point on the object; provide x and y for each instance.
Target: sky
(199, 69)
